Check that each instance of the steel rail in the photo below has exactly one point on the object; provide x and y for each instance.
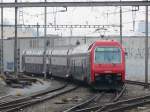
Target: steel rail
(136, 82)
(28, 103)
(125, 104)
(114, 100)
(75, 4)
(2, 97)
(86, 102)
(89, 109)
(62, 26)
(80, 105)
(97, 107)
(128, 106)
(119, 94)
(22, 99)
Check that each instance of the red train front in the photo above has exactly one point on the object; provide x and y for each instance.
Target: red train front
(107, 60)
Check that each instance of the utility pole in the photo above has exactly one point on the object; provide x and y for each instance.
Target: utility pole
(120, 24)
(146, 46)
(45, 44)
(55, 14)
(2, 65)
(21, 16)
(37, 29)
(71, 32)
(15, 45)
(134, 10)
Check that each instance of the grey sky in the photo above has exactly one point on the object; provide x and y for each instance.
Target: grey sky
(90, 15)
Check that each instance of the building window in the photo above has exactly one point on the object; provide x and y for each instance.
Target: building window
(10, 65)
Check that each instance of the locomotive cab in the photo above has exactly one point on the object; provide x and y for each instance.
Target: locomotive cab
(108, 63)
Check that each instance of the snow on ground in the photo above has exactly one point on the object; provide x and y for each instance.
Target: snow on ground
(4, 89)
(30, 89)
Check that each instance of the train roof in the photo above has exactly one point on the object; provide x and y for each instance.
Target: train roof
(84, 48)
(33, 51)
(107, 42)
(60, 52)
(49, 51)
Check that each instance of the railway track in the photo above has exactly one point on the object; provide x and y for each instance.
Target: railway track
(126, 104)
(13, 98)
(83, 104)
(8, 104)
(137, 83)
(17, 104)
(87, 106)
(8, 98)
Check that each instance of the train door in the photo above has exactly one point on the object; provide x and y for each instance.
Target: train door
(59, 62)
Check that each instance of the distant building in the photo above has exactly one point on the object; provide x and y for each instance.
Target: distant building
(141, 27)
(22, 32)
(10, 32)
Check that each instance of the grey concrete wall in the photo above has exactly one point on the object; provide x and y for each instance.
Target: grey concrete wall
(135, 47)
(135, 61)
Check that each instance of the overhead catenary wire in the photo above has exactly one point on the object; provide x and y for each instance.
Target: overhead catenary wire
(76, 4)
(62, 26)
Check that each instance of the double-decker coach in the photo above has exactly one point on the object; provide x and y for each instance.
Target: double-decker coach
(99, 63)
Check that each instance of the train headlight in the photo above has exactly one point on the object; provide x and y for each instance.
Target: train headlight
(107, 71)
(96, 74)
(118, 77)
(119, 74)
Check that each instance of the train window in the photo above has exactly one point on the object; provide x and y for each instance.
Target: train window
(34, 43)
(107, 55)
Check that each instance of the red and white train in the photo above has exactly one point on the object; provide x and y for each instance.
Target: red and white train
(99, 63)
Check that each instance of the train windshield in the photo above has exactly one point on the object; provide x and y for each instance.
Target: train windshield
(107, 55)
